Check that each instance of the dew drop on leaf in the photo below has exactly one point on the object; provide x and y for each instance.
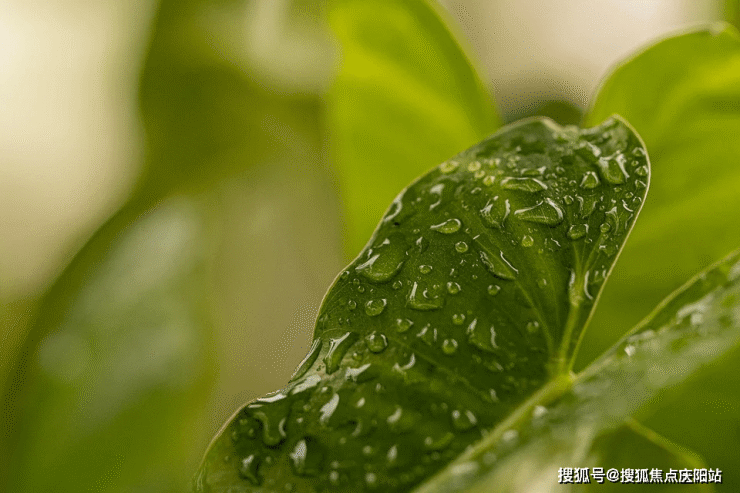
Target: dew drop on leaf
(527, 241)
(461, 247)
(495, 212)
(530, 185)
(498, 266)
(373, 308)
(546, 212)
(577, 231)
(248, 469)
(590, 180)
(494, 289)
(448, 227)
(338, 347)
(376, 342)
(463, 420)
(453, 287)
(418, 301)
(449, 346)
(403, 325)
(308, 361)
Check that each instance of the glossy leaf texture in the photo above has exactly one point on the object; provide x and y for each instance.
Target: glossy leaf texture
(406, 97)
(467, 301)
(113, 389)
(693, 327)
(683, 97)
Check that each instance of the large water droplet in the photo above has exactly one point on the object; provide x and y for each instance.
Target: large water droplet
(448, 227)
(498, 266)
(422, 301)
(308, 361)
(386, 261)
(495, 212)
(485, 340)
(546, 212)
(306, 458)
(337, 349)
(373, 308)
(612, 169)
(453, 287)
(328, 409)
(530, 185)
(376, 342)
(577, 231)
(590, 181)
(248, 469)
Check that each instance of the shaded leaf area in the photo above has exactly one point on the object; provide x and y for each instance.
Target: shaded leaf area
(695, 326)
(111, 390)
(468, 299)
(406, 97)
(683, 97)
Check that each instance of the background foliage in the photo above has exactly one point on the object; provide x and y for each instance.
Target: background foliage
(118, 375)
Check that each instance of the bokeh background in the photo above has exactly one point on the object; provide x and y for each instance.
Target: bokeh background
(211, 115)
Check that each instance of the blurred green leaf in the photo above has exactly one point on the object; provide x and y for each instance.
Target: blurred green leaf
(683, 97)
(406, 98)
(465, 306)
(113, 386)
(696, 325)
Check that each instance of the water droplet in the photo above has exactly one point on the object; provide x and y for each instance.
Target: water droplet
(641, 171)
(334, 478)
(397, 284)
(308, 360)
(480, 339)
(612, 220)
(306, 459)
(351, 304)
(541, 283)
(392, 454)
(539, 411)
(546, 212)
(428, 335)
(453, 287)
(498, 266)
(373, 308)
(422, 301)
(587, 205)
(310, 382)
(272, 435)
(422, 244)
(425, 269)
(449, 346)
(328, 409)
(577, 231)
(403, 325)
(530, 185)
(407, 366)
(461, 247)
(386, 262)
(533, 326)
(448, 227)
(494, 289)
(458, 318)
(495, 212)
(371, 480)
(612, 169)
(440, 443)
(463, 420)
(376, 342)
(489, 180)
(448, 167)
(474, 166)
(248, 469)
(605, 227)
(527, 241)
(590, 180)
(338, 347)
(568, 200)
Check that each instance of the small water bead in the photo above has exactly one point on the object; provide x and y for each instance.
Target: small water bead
(351, 304)
(461, 247)
(639, 184)
(422, 300)
(463, 420)
(489, 180)
(531, 185)
(605, 227)
(458, 318)
(527, 241)
(494, 289)
(568, 200)
(425, 269)
(428, 335)
(541, 283)
(448, 227)
(397, 284)
(449, 346)
(533, 326)
(590, 180)
(373, 308)
(641, 171)
(403, 325)
(371, 480)
(453, 287)
(421, 244)
(248, 469)
(334, 478)
(376, 342)
(440, 443)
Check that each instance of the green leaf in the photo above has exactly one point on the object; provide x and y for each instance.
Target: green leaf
(406, 98)
(693, 327)
(465, 307)
(683, 97)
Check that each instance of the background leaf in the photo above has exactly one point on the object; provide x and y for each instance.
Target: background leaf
(115, 388)
(406, 97)
(466, 305)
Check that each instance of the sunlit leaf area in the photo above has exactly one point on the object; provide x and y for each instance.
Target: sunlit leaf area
(429, 246)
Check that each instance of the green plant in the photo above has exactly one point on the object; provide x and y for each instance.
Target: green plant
(110, 390)
(443, 355)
